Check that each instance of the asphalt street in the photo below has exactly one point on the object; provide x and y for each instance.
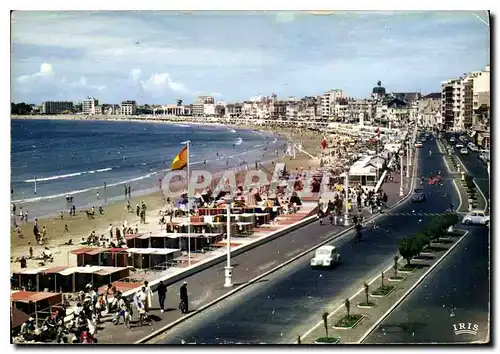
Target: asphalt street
(288, 302)
(475, 166)
(457, 290)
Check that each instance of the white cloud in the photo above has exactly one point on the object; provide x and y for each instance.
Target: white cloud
(45, 71)
(161, 82)
(135, 74)
(285, 17)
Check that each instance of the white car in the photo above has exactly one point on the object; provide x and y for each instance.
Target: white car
(472, 147)
(325, 256)
(464, 151)
(419, 144)
(459, 145)
(476, 217)
(452, 139)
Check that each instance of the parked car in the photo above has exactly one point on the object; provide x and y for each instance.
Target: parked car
(472, 147)
(464, 151)
(418, 196)
(452, 139)
(459, 145)
(419, 144)
(325, 256)
(476, 217)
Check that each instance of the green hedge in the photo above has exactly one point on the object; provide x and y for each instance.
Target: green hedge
(411, 246)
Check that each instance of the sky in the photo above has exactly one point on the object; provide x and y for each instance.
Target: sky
(158, 57)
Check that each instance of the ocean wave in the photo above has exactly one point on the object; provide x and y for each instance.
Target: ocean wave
(67, 175)
(232, 131)
(36, 199)
(183, 125)
(239, 141)
(149, 175)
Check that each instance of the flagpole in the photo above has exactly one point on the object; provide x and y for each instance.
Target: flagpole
(188, 208)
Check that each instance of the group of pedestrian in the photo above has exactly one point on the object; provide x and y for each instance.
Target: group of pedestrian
(127, 190)
(141, 211)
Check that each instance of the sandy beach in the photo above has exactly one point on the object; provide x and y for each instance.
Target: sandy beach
(80, 226)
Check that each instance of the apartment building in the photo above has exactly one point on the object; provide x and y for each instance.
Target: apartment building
(360, 110)
(328, 99)
(55, 107)
(234, 110)
(89, 104)
(429, 110)
(481, 88)
(128, 108)
(457, 102)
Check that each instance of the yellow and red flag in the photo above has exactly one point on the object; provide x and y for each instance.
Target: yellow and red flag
(181, 159)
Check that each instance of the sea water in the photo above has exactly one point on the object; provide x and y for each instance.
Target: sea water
(77, 158)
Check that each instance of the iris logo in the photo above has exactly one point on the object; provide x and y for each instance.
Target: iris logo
(465, 328)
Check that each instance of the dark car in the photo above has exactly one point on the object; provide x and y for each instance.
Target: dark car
(418, 196)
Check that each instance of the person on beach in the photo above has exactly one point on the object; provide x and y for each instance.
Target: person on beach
(73, 210)
(129, 193)
(129, 207)
(26, 216)
(97, 194)
(62, 215)
(36, 232)
(21, 214)
(14, 209)
(137, 209)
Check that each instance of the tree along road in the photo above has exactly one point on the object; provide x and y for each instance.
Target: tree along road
(288, 302)
(456, 291)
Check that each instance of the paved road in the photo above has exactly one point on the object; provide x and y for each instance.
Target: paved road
(288, 302)
(475, 167)
(456, 291)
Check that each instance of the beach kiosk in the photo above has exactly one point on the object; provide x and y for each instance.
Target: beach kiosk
(363, 173)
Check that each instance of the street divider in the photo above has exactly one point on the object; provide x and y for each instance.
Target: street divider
(254, 280)
(412, 288)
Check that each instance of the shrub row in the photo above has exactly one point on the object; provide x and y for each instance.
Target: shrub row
(412, 246)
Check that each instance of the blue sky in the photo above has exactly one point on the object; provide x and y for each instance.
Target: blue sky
(159, 57)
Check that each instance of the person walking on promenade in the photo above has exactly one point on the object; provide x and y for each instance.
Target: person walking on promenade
(162, 294)
(149, 296)
(184, 304)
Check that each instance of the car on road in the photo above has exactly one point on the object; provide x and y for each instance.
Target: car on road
(459, 145)
(325, 256)
(464, 151)
(476, 217)
(418, 196)
(452, 139)
(472, 147)
(419, 144)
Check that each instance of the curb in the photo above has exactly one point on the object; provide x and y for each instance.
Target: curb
(409, 291)
(459, 196)
(250, 282)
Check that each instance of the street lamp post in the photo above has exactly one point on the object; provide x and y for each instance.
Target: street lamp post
(346, 218)
(228, 270)
(407, 160)
(401, 193)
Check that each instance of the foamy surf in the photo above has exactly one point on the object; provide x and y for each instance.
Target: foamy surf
(239, 141)
(69, 175)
